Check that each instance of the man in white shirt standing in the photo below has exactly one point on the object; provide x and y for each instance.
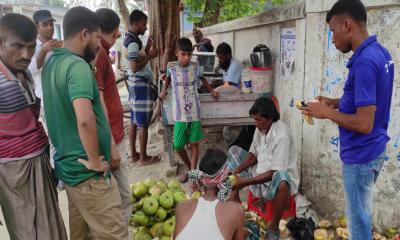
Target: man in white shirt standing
(44, 49)
(45, 44)
(270, 167)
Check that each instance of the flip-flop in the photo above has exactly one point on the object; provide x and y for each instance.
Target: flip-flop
(135, 159)
(152, 159)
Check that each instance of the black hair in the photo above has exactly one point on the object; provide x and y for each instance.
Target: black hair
(266, 108)
(18, 25)
(109, 20)
(185, 45)
(353, 8)
(224, 48)
(78, 18)
(136, 16)
(212, 161)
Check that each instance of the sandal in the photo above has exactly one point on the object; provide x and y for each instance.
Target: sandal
(149, 160)
(134, 158)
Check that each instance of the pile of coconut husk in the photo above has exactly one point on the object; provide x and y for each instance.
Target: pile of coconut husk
(325, 229)
(337, 230)
(252, 217)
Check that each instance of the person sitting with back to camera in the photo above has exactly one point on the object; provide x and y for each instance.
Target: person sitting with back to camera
(207, 217)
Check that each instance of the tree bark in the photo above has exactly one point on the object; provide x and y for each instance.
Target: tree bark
(165, 29)
(123, 9)
(212, 9)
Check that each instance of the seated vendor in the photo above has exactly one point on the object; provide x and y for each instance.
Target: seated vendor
(270, 166)
(230, 67)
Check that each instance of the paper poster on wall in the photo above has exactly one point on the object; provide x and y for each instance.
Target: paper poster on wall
(288, 52)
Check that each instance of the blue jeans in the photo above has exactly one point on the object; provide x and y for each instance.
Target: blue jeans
(359, 181)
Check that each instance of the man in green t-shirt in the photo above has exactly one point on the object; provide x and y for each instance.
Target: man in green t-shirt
(80, 132)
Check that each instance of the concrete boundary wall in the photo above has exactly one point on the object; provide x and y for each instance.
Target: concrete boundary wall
(318, 68)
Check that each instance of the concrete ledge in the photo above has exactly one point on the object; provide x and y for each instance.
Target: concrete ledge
(313, 6)
(293, 11)
(274, 16)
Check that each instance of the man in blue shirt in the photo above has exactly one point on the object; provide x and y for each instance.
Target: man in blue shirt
(231, 67)
(362, 113)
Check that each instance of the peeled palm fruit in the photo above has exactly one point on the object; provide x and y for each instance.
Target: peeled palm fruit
(325, 224)
(307, 118)
(376, 236)
(282, 224)
(321, 234)
(345, 234)
(339, 231)
(232, 179)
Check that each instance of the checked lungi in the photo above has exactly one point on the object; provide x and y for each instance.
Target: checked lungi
(141, 100)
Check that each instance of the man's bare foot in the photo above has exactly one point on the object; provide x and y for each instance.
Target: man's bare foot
(134, 157)
(148, 160)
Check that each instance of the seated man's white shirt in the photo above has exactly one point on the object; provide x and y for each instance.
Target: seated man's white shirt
(276, 151)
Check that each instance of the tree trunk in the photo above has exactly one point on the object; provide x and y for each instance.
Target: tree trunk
(165, 29)
(123, 9)
(212, 9)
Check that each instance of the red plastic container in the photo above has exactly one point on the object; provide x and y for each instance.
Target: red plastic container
(267, 212)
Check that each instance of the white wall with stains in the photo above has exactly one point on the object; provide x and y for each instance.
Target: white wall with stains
(320, 69)
(326, 74)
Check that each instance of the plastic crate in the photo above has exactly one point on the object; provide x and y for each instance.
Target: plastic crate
(267, 212)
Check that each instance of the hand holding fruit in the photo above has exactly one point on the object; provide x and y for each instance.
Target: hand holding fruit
(240, 182)
(316, 110)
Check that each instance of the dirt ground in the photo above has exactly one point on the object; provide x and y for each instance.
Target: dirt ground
(136, 173)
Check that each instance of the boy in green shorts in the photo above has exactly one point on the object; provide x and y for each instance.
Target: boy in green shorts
(183, 76)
